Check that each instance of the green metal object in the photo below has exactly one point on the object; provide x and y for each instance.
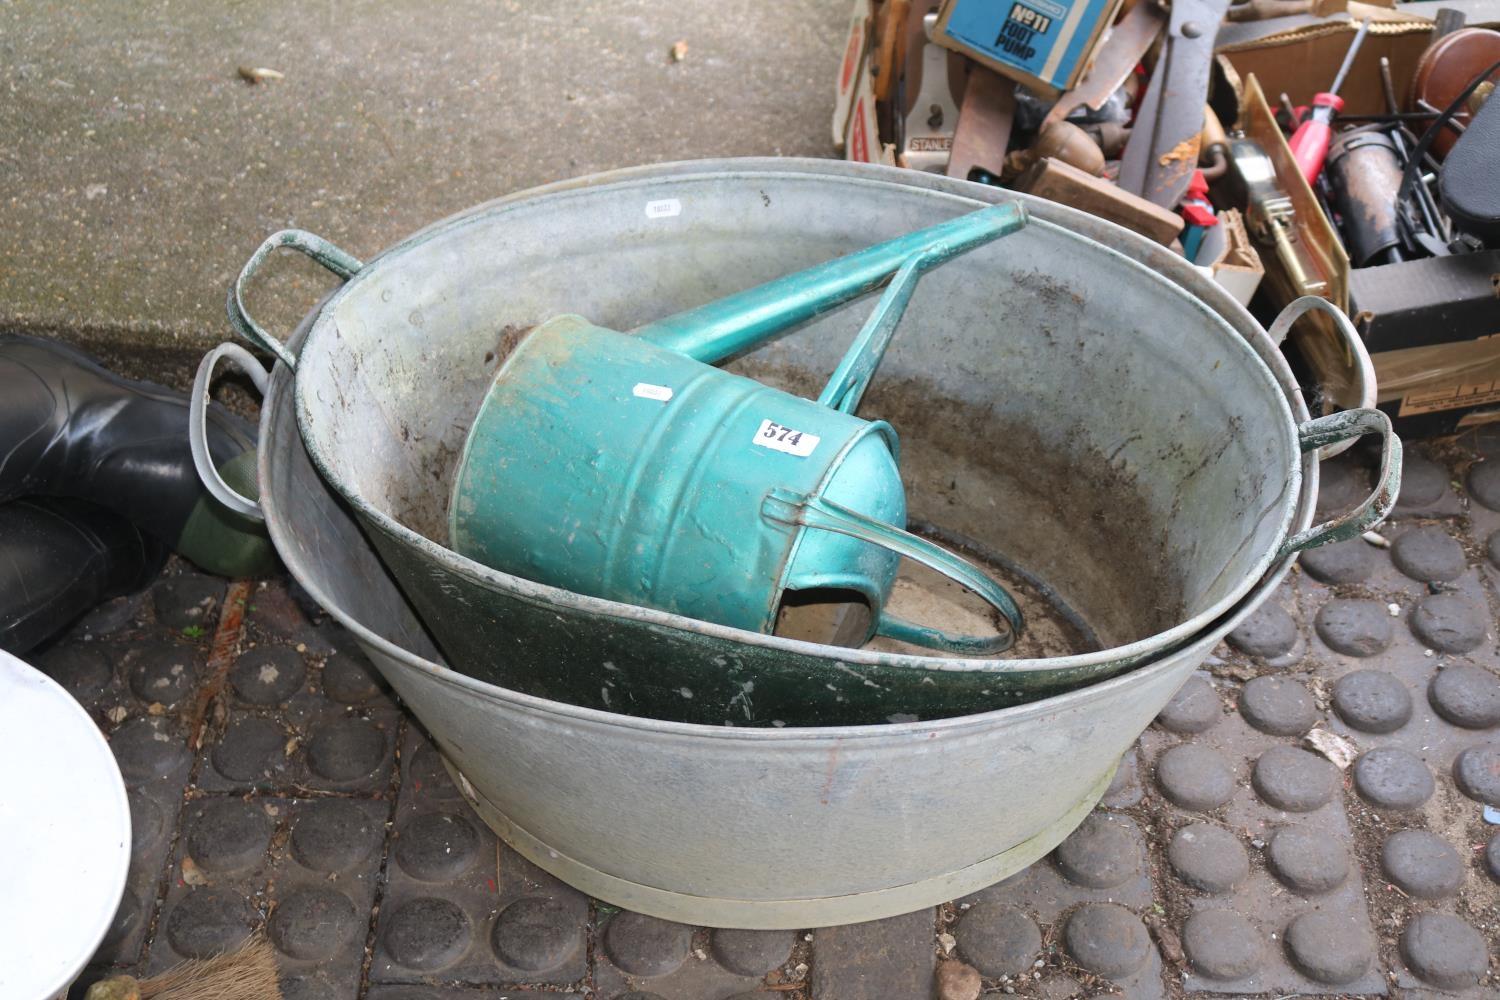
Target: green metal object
(223, 541)
(628, 467)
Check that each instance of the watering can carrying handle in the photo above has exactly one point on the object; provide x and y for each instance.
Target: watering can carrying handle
(1342, 426)
(340, 263)
(198, 429)
(816, 512)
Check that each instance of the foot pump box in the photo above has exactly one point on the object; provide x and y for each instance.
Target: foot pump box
(1046, 44)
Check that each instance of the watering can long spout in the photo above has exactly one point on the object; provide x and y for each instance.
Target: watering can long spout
(720, 329)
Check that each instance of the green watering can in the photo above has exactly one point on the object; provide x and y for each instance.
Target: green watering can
(627, 467)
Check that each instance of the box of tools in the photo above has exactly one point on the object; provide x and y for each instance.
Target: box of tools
(1423, 293)
(1047, 44)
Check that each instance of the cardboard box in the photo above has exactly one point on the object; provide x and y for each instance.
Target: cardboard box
(1433, 329)
(862, 141)
(1045, 44)
(1432, 326)
(1440, 389)
(1229, 256)
(854, 60)
(1299, 56)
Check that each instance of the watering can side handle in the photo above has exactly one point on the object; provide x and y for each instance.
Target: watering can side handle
(818, 512)
(1342, 426)
(340, 263)
(198, 431)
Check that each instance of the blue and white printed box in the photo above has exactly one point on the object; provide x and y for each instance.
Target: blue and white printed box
(1046, 44)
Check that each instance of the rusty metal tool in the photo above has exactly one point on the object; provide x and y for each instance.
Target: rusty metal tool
(1213, 150)
(1434, 221)
(984, 124)
(1162, 153)
(1364, 177)
(1117, 58)
(890, 46)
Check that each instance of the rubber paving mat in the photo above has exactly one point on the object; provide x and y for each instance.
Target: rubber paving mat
(1306, 818)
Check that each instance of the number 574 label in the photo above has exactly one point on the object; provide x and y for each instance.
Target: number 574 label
(779, 438)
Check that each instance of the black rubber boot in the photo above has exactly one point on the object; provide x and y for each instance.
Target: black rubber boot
(69, 428)
(61, 558)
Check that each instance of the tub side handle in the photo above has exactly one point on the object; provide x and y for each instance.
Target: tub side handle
(198, 425)
(1355, 353)
(817, 512)
(340, 263)
(1343, 426)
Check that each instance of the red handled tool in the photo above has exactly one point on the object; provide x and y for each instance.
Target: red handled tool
(1310, 142)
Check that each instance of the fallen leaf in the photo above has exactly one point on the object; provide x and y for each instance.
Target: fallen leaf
(191, 873)
(259, 74)
(1339, 749)
(958, 981)
(1166, 940)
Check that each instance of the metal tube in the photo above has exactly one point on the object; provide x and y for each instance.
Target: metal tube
(1364, 171)
(1425, 206)
(1388, 86)
(1359, 37)
(723, 328)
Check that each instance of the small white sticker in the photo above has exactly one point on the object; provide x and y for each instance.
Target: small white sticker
(781, 438)
(664, 209)
(646, 390)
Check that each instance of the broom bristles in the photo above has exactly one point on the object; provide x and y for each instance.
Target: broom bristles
(247, 973)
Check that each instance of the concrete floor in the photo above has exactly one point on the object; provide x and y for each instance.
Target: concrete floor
(138, 169)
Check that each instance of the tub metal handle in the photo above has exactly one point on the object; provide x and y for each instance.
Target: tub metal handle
(1346, 425)
(340, 263)
(198, 425)
(1354, 349)
(817, 512)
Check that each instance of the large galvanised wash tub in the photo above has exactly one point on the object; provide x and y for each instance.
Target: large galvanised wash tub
(1064, 408)
(760, 826)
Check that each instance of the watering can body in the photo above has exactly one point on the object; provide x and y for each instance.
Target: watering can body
(612, 466)
(628, 467)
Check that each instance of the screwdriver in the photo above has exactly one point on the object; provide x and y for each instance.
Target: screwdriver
(1310, 142)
